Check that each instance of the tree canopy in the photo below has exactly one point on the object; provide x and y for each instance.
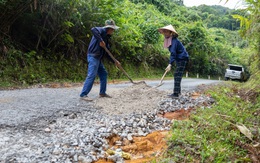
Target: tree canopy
(38, 36)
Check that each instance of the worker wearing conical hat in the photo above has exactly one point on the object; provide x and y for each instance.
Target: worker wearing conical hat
(179, 55)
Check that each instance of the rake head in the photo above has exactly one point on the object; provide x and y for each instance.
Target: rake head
(160, 84)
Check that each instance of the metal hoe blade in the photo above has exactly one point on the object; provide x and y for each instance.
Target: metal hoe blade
(161, 82)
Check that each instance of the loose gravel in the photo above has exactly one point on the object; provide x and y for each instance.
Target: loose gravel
(53, 125)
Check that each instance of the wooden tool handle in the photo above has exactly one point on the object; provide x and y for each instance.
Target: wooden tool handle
(163, 76)
(119, 66)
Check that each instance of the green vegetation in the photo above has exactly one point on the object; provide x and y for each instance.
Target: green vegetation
(45, 41)
(229, 130)
(213, 135)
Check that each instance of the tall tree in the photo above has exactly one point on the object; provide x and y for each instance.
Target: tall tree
(250, 29)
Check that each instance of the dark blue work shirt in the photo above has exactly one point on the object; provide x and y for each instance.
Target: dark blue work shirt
(178, 51)
(99, 35)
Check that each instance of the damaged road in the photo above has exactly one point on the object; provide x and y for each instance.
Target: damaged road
(53, 125)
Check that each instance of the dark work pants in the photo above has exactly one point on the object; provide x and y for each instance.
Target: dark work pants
(180, 67)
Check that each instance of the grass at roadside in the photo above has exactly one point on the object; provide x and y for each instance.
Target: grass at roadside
(213, 134)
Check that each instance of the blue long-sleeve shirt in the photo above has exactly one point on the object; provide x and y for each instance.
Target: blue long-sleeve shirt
(178, 51)
(99, 35)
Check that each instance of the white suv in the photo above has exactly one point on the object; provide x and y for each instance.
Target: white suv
(235, 72)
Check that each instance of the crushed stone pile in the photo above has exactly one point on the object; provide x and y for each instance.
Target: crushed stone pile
(188, 100)
(136, 98)
(82, 136)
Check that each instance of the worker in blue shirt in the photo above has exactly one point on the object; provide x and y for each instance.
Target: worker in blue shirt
(95, 54)
(179, 55)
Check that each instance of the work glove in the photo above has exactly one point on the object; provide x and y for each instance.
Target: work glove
(168, 68)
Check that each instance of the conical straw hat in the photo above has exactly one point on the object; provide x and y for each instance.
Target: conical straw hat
(168, 27)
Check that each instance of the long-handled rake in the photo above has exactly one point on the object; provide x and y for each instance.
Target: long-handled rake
(120, 67)
(161, 82)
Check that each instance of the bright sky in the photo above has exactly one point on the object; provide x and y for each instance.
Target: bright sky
(232, 4)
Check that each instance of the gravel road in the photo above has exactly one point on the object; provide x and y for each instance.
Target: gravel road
(54, 125)
(19, 107)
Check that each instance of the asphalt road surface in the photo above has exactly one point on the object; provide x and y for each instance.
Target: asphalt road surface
(54, 125)
(19, 107)
(186, 84)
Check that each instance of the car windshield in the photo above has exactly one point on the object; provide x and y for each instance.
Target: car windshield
(236, 68)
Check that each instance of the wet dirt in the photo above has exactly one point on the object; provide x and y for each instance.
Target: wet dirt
(150, 147)
(178, 115)
(141, 96)
(142, 149)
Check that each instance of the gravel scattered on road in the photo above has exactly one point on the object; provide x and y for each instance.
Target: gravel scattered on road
(53, 125)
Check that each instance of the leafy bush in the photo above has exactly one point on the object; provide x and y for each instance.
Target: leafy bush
(212, 134)
(59, 31)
